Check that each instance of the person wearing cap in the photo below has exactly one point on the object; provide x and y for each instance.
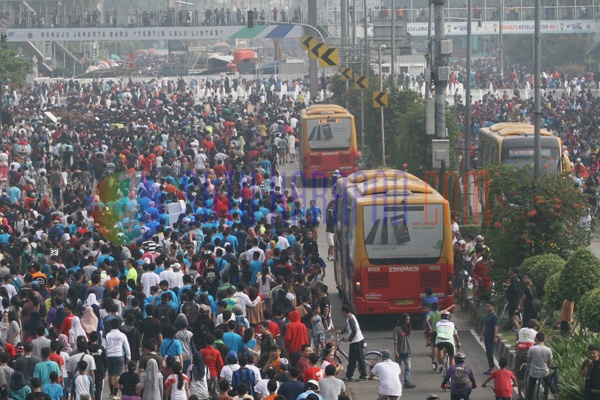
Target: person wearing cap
(310, 387)
(231, 366)
(388, 372)
(525, 339)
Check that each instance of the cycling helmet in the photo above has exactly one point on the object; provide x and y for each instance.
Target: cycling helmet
(432, 397)
(479, 238)
(460, 357)
(445, 315)
(386, 355)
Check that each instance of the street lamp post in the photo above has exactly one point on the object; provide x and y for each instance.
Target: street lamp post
(382, 46)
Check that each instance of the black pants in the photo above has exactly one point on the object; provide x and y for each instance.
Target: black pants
(99, 384)
(356, 355)
(533, 381)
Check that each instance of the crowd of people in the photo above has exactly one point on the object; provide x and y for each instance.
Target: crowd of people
(150, 240)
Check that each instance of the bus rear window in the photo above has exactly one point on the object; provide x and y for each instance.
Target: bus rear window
(329, 133)
(403, 233)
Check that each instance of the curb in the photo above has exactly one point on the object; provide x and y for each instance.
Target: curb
(503, 348)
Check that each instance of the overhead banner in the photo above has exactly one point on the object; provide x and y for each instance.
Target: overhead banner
(508, 27)
(155, 33)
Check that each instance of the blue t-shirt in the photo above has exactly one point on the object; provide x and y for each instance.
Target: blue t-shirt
(171, 347)
(491, 321)
(54, 390)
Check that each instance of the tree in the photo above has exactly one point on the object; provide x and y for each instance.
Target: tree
(580, 274)
(589, 308)
(406, 141)
(556, 50)
(552, 296)
(13, 68)
(529, 218)
(540, 268)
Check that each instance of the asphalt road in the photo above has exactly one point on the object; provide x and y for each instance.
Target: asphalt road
(378, 329)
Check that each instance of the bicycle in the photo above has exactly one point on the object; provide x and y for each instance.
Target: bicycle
(371, 357)
(540, 390)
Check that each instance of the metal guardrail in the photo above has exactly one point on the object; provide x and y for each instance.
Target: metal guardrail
(15, 15)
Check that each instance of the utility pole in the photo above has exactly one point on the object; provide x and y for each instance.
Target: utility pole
(381, 109)
(468, 94)
(344, 25)
(313, 65)
(501, 42)
(392, 66)
(537, 162)
(440, 70)
(365, 71)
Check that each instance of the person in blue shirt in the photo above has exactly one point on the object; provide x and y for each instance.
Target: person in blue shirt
(429, 298)
(256, 266)
(232, 339)
(171, 346)
(53, 389)
(316, 217)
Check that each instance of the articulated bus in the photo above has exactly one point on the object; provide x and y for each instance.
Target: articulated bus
(393, 240)
(327, 142)
(512, 143)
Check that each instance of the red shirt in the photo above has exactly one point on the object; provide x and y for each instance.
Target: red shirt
(502, 382)
(313, 373)
(213, 360)
(66, 325)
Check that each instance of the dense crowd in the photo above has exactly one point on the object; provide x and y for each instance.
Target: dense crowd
(148, 237)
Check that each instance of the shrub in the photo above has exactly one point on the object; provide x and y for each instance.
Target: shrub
(589, 308)
(568, 354)
(540, 268)
(529, 217)
(552, 295)
(580, 275)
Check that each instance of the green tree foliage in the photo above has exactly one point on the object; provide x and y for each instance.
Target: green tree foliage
(540, 268)
(589, 309)
(557, 50)
(406, 141)
(580, 275)
(529, 218)
(13, 68)
(552, 296)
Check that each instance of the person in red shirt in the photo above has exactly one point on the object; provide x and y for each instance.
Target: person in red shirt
(313, 372)
(504, 380)
(66, 325)
(220, 169)
(303, 364)
(212, 358)
(296, 333)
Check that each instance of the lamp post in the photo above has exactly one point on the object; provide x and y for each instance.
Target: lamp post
(380, 47)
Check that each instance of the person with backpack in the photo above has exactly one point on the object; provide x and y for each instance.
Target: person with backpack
(461, 378)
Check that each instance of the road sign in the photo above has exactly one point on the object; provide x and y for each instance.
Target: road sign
(380, 99)
(307, 42)
(330, 58)
(346, 73)
(316, 51)
(361, 82)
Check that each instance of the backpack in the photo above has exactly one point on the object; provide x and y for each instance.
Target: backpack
(245, 376)
(462, 378)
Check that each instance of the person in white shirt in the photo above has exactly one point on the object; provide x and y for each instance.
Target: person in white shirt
(10, 289)
(388, 372)
(115, 343)
(243, 299)
(176, 280)
(200, 161)
(149, 278)
(231, 366)
(256, 248)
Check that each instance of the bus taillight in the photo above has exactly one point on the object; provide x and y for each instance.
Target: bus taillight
(450, 284)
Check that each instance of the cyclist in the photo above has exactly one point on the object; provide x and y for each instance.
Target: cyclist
(461, 378)
(539, 357)
(446, 338)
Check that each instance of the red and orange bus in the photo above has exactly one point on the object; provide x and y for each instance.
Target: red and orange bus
(327, 142)
(393, 240)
